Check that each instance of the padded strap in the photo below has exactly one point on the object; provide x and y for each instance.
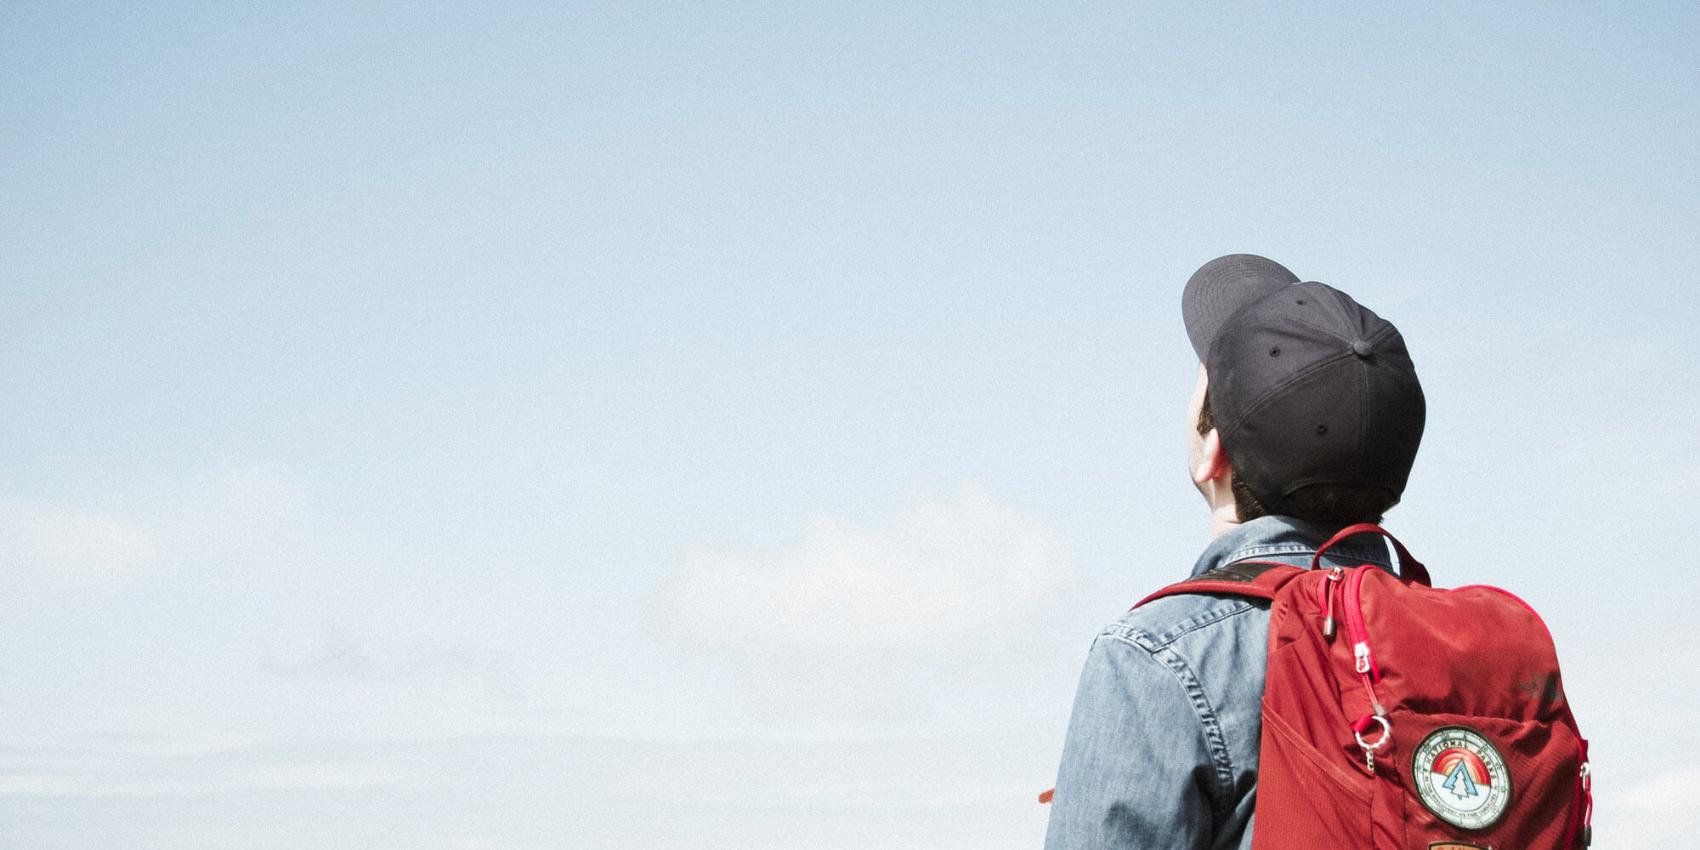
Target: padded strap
(1256, 579)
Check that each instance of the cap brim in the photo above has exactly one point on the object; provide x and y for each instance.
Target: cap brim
(1221, 287)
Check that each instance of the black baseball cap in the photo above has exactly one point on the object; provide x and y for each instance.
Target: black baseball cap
(1221, 287)
(1307, 386)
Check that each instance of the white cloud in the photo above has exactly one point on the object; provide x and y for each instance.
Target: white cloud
(41, 537)
(35, 784)
(1656, 812)
(200, 742)
(243, 513)
(947, 791)
(944, 568)
(327, 775)
(183, 767)
(339, 656)
(1667, 792)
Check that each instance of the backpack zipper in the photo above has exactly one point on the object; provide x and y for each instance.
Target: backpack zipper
(1356, 629)
(1326, 603)
(1363, 661)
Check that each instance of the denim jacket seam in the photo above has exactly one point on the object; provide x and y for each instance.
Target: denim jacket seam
(1153, 642)
(1210, 727)
(1301, 549)
(1215, 740)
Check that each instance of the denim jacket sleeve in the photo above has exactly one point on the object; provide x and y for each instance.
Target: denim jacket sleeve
(1162, 747)
(1136, 768)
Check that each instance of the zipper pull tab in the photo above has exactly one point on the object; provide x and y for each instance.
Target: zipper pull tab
(1360, 652)
(1334, 576)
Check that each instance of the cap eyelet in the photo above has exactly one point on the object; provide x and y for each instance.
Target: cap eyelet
(1300, 302)
(1275, 352)
(1321, 430)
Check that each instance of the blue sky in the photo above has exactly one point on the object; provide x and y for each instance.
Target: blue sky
(726, 425)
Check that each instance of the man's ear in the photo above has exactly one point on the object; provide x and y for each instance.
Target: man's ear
(1212, 460)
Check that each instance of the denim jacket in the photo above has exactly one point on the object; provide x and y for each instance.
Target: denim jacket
(1162, 745)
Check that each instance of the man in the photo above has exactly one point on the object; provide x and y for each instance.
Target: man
(1305, 418)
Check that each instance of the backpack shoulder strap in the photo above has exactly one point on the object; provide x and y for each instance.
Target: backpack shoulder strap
(1256, 579)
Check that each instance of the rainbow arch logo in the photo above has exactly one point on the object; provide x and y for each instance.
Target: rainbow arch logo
(1466, 775)
(1461, 777)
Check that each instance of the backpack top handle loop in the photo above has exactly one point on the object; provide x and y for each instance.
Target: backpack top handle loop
(1409, 568)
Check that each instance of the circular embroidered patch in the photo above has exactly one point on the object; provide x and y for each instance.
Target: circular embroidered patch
(1461, 777)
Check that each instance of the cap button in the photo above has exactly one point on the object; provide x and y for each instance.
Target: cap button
(1360, 348)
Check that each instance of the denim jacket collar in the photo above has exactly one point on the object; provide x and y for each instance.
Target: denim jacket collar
(1288, 540)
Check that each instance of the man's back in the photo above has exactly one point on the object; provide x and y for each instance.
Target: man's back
(1163, 743)
(1305, 419)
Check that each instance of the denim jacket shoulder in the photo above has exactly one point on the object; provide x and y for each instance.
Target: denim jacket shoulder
(1163, 742)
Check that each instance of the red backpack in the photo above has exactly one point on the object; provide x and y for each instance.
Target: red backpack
(1398, 716)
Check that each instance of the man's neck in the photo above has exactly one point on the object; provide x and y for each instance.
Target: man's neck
(1223, 519)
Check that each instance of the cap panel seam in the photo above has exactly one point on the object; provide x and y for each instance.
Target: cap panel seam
(1295, 320)
(1335, 306)
(1316, 327)
(1307, 374)
(1362, 448)
(1376, 336)
(1298, 378)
